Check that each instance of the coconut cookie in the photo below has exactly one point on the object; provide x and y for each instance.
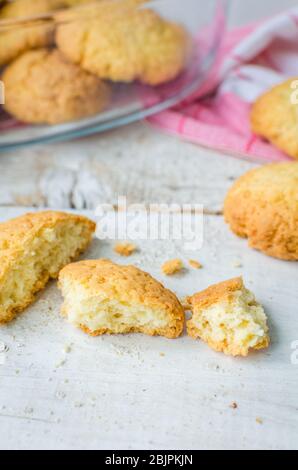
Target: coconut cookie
(33, 249)
(75, 3)
(42, 86)
(228, 318)
(18, 38)
(263, 206)
(274, 116)
(125, 44)
(103, 297)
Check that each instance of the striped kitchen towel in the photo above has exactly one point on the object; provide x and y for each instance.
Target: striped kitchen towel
(252, 60)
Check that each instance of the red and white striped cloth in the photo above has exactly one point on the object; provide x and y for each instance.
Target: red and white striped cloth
(252, 60)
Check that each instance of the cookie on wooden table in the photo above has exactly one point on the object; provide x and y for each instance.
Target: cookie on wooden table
(125, 43)
(104, 297)
(33, 249)
(228, 318)
(274, 116)
(262, 206)
(41, 86)
(16, 39)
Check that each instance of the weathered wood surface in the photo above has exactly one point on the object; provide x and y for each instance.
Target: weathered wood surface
(135, 392)
(135, 161)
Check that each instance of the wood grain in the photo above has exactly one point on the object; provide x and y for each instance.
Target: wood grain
(135, 161)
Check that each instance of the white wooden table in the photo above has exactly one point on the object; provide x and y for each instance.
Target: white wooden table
(136, 392)
(133, 391)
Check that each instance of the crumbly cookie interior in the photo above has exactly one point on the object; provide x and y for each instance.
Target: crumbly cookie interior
(40, 259)
(112, 315)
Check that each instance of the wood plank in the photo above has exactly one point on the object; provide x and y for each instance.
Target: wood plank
(135, 161)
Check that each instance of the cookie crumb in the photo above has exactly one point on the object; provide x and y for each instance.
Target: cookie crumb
(162, 354)
(237, 264)
(185, 303)
(195, 264)
(259, 420)
(60, 363)
(172, 266)
(234, 405)
(125, 249)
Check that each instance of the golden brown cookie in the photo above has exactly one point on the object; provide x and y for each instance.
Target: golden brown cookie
(27, 8)
(75, 3)
(262, 206)
(228, 318)
(33, 249)
(104, 297)
(17, 38)
(125, 44)
(41, 86)
(274, 116)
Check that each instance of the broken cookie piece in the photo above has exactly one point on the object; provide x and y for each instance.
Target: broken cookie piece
(228, 318)
(104, 297)
(33, 249)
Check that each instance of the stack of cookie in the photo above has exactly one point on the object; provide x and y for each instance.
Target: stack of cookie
(58, 61)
